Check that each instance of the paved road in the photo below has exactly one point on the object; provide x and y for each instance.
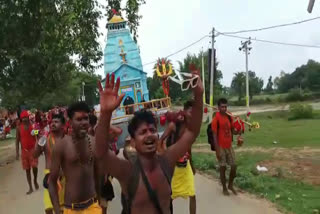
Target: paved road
(209, 198)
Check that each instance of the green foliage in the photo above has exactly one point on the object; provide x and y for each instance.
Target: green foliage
(274, 126)
(294, 196)
(300, 111)
(294, 95)
(132, 13)
(305, 76)
(113, 5)
(153, 85)
(238, 84)
(159, 94)
(204, 162)
(43, 43)
(269, 87)
(255, 84)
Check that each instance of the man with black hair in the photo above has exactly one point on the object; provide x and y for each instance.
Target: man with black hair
(74, 154)
(146, 182)
(56, 133)
(183, 178)
(126, 102)
(223, 130)
(93, 122)
(28, 142)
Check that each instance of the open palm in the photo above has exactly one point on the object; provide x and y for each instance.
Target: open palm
(109, 99)
(198, 90)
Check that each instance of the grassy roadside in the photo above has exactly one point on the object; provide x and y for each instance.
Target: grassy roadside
(275, 127)
(288, 186)
(289, 195)
(8, 141)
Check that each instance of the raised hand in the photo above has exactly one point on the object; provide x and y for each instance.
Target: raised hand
(109, 99)
(198, 90)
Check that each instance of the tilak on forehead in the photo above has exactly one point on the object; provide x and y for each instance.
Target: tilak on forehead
(83, 114)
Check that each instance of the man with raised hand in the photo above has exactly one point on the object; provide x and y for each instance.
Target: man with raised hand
(146, 182)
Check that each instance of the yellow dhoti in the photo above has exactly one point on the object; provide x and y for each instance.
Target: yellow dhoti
(46, 195)
(182, 183)
(47, 200)
(92, 209)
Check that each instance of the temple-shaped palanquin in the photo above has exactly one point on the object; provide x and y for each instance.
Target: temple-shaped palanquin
(122, 57)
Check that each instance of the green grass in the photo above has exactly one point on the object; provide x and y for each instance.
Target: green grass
(8, 141)
(273, 97)
(274, 126)
(294, 196)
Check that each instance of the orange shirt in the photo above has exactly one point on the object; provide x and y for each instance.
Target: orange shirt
(224, 131)
(28, 141)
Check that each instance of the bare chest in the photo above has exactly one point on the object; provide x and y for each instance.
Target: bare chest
(78, 154)
(78, 161)
(160, 186)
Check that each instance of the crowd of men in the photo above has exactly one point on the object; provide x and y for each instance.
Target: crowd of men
(81, 158)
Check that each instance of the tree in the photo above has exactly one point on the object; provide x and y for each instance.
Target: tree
(90, 88)
(154, 84)
(305, 77)
(132, 13)
(238, 84)
(42, 44)
(255, 84)
(269, 87)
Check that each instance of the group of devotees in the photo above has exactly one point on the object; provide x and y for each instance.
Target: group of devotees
(81, 162)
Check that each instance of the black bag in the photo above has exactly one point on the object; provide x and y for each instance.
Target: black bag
(210, 137)
(45, 181)
(107, 189)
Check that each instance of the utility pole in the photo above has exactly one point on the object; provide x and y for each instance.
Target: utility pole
(246, 49)
(212, 68)
(310, 5)
(203, 80)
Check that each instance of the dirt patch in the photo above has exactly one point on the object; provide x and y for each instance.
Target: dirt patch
(303, 169)
(7, 154)
(302, 165)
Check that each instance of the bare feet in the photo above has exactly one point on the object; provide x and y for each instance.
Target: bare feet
(29, 192)
(36, 185)
(233, 190)
(225, 192)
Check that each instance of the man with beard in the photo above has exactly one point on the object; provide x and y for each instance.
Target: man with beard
(56, 134)
(74, 154)
(23, 136)
(146, 182)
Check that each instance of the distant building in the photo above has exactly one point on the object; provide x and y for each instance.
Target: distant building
(122, 57)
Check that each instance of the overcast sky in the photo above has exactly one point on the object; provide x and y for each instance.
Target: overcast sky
(169, 25)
